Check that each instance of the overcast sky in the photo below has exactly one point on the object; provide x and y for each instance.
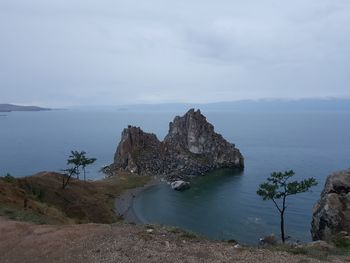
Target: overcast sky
(108, 52)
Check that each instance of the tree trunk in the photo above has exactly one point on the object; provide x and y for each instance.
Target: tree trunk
(64, 185)
(84, 173)
(282, 227)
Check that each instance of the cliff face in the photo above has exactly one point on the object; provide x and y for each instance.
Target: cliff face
(192, 147)
(192, 133)
(137, 151)
(331, 213)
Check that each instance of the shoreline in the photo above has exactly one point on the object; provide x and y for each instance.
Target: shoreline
(124, 204)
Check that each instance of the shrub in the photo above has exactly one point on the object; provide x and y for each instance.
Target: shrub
(342, 241)
(8, 178)
(37, 193)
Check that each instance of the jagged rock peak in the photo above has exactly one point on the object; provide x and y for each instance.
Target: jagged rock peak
(331, 214)
(192, 132)
(192, 147)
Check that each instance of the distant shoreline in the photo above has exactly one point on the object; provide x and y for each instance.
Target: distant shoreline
(11, 108)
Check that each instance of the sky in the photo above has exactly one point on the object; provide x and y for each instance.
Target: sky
(112, 52)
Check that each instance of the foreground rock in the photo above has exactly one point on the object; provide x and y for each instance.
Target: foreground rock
(191, 148)
(331, 213)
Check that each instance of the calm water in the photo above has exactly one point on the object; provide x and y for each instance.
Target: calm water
(222, 205)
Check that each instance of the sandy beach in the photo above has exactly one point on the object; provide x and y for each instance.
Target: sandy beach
(124, 205)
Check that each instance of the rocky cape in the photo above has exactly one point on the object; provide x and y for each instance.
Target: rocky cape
(191, 148)
(331, 214)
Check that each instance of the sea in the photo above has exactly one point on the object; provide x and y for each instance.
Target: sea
(223, 204)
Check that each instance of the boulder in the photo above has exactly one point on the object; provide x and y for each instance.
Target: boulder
(190, 148)
(331, 214)
(180, 185)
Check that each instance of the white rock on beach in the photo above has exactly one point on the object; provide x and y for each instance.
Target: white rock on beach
(180, 185)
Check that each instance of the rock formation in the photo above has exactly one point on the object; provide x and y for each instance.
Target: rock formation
(138, 151)
(191, 148)
(331, 214)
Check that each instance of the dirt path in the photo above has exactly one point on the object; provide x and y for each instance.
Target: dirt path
(25, 242)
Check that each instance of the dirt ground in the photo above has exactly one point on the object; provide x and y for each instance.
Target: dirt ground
(27, 242)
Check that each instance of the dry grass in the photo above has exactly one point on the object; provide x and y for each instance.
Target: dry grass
(312, 252)
(41, 199)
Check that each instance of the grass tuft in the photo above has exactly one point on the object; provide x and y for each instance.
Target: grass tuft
(342, 241)
(22, 215)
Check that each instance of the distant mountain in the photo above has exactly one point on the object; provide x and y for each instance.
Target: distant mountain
(265, 105)
(10, 107)
(274, 105)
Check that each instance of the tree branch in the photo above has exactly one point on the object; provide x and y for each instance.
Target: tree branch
(273, 200)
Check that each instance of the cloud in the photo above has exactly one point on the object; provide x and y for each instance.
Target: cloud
(116, 52)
